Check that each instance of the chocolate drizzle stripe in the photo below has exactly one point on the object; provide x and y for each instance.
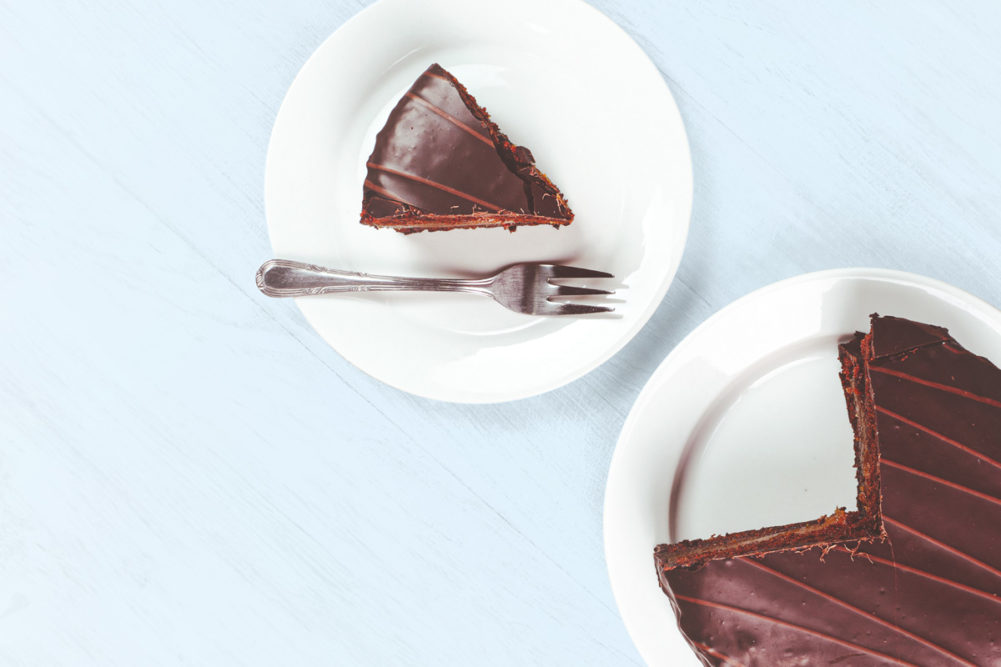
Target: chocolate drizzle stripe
(922, 573)
(942, 545)
(386, 193)
(943, 438)
(433, 184)
(787, 624)
(938, 480)
(861, 612)
(727, 660)
(937, 385)
(450, 118)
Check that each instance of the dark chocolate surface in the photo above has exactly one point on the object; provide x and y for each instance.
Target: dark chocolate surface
(894, 335)
(930, 594)
(439, 156)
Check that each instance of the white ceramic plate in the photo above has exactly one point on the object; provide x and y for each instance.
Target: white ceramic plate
(558, 77)
(744, 425)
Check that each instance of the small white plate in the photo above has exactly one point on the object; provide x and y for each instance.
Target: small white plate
(558, 77)
(744, 425)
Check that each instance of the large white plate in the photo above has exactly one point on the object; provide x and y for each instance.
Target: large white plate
(558, 77)
(744, 425)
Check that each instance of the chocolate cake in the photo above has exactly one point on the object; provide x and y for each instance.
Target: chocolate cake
(921, 584)
(440, 163)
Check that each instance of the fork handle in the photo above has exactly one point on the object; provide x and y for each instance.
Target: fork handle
(284, 278)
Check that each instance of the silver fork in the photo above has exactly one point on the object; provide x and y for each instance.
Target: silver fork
(524, 288)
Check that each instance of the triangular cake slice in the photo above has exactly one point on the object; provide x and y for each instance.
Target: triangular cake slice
(440, 163)
(918, 581)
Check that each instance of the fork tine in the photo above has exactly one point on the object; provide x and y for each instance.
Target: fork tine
(580, 309)
(560, 271)
(568, 290)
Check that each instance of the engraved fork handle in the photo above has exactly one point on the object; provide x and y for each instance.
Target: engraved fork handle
(283, 278)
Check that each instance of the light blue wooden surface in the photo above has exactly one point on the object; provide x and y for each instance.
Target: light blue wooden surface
(189, 475)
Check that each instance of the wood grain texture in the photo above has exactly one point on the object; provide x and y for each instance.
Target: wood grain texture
(188, 474)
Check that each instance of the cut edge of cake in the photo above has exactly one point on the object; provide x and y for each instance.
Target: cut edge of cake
(840, 528)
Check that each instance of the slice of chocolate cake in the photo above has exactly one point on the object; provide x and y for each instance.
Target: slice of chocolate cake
(926, 593)
(440, 163)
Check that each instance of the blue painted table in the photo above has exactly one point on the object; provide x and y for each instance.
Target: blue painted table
(188, 474)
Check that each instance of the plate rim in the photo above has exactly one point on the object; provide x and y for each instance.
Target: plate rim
(684, 206)
(645, 396)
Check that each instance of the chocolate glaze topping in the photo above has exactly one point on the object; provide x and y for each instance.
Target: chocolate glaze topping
(441, 163)
(927, 594)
